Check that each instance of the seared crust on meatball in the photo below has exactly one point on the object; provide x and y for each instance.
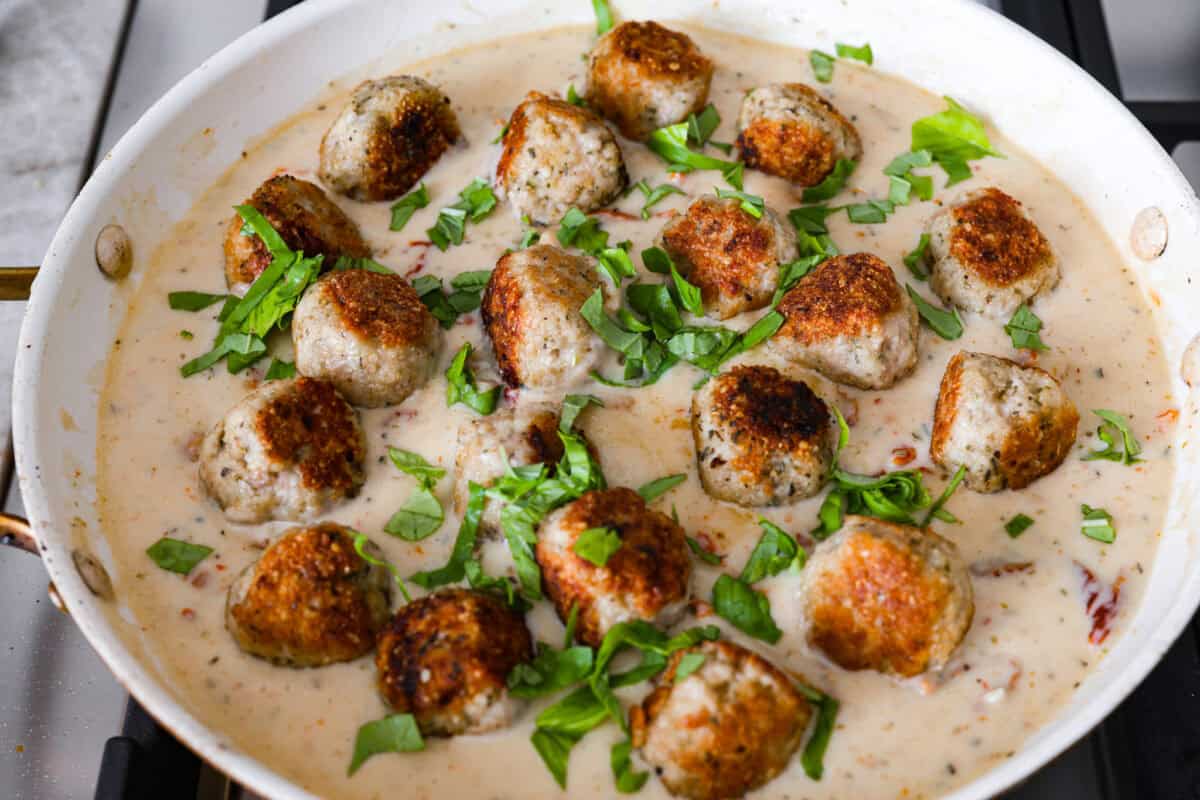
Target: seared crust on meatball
(647, 578)
(289, 450)
(530, 309)
(388, 136)
(524, 434)
(887, 597)
(849, 320)
(761, 438)
(309, 599)
(731, 256)
(643, 76)
(1006, 423)
(368, 334)
(790, 130)
(988, 256)
(305, 219)
(445, 659)
(556, 156)
(724, 730)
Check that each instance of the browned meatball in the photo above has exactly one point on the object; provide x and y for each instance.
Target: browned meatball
(887, 597)
(445, 659)
(731, 256)
(643, 76)
(306, 220)
(725, 729)
(648, 577)
(309, 600)
(790, 130)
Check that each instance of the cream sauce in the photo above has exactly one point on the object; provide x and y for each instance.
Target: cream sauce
(914, 739)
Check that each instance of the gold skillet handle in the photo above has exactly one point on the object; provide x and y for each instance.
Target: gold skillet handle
(16, 282)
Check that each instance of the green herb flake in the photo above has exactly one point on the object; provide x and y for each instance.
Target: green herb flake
(186, 335)
(597, 545)
(1113, 424)
(280, 370)
(915, 261)
(707, 556)
(937, 510)
(1018, 525)
(604, 16)
(688, 663)
(657, 488)
(702, 126)
(628, 780)
(193, 301)
(749, 611)
(655, 195)
(945, 324)
(395, 734)
(464, 544)
(752, 204)
(474, 203)
(671, 145)
(577, 229)
(419, 517)
(176, 555)
(953, 137)
(861, 53)
(833, 183)
(406, 206)
(1098, 524)
(813, 756)
(872, 212)
(461, 387)
(360, 546)
(822, 65)
(617, 264)
(1023, 330)
(573, 97)
(609, 331)
(775, 552)
(572, 405)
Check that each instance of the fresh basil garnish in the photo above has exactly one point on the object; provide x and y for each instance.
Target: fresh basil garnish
(405, 207)
(597, 545)
(1023, 330)
(461, 388)
(395, 734)
(860, 53)
(822, 65)
(474, 203)
(915, 261)
(176, 555)
(775, 552)
(657, 488)
(953, 137)
(749, 611)
(1098, 524)
(1018, 525)
(832, 184)
(1129, 450)
(945, 323)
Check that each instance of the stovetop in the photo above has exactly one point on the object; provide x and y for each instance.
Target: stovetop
(61, 713)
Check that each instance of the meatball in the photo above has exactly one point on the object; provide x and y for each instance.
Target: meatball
(647, 578)
(309, 599)
(305, 219)
(731, 256)
(530, 309)
(892, 598)
(724, 730)
(791, 131)
(1007, 424)
(368, 334)
(524, 434)
(388, 136)
(761, 438)
(643, 76)
(849, 320)
(557, 156)
(289, 450)
(988, 256)
(445, 659)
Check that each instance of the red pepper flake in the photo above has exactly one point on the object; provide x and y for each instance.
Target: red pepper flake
(1167, 419)
(1100, 603)
(192, 446)
(669, 212)
(701, 609)
(419, 264)
(420, 243)
(200, 580)
(220, 567)
(994, 568)
(617, 214)
(187, 613)
(903, 455)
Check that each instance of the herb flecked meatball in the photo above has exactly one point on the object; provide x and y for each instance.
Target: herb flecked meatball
(389, 135)
(887, 597)
(368, 334)
(289, 450)
(726, 729)
(791, 131)
(305, 219)
(309, 599)
(445, 659)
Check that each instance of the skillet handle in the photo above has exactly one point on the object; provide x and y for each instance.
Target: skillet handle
(16, 282)
(17, 532)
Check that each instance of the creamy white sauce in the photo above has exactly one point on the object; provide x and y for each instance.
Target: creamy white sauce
(1027, 649)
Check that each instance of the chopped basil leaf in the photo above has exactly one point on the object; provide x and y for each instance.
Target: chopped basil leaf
(472, 280)
(175, 555)
(937, 510)
(775, 552)
(904, 163)
(461, 388)
(813, 756)
(945, 324)
(500, 135)
(187, 335)
(657, 488)
(464, 544)
(577, 229)
(822, 65)
(832, 184)
(705, 347)
(953, 137)
(614, 335)
(702, 126)
(1097, 524)
(1018, 525)
(628, 781)
(531, 236)
(504, 588)
(193, 301)
(395, 734)
(812, 236)
(617, 264)
(871, 212)
(862, 53)
(604, 17)
(1112, 421)
(763, 328)
(360, 546)
(687, 293)
(649, 640)
(791, 273)
(419, 517)
(597, 545)
(752, 204)
(573, 97)
(749, 611)
(466, 297)
(474, 203)
(671, 145)
(412, 464)
(405, 207)
(915, 261)
(550, 671)
(688, 663)
(572, 405)
(706, 556)
(344, 263)
(1023, 330)
(657, 260)
(280, 370)
(562, 725)
(655, 195)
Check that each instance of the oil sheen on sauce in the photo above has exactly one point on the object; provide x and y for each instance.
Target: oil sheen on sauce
(1028, 647)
